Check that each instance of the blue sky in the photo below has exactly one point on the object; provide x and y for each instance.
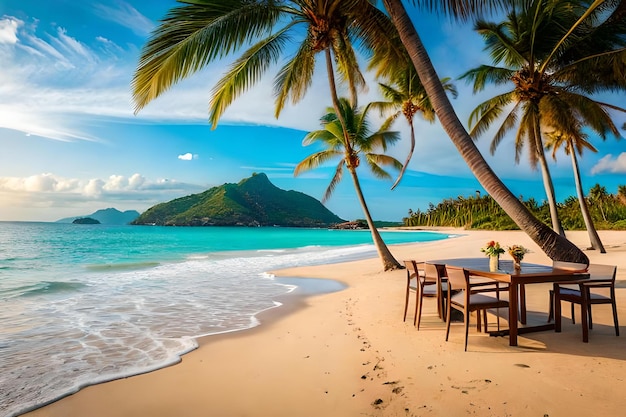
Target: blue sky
(72, 145)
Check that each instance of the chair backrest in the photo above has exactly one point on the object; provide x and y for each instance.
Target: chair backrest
(410, 266)
(602, 272)
(458, 278)
(570, 266)
(433, 273)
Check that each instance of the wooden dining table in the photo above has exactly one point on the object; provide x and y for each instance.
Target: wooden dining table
(517, 279)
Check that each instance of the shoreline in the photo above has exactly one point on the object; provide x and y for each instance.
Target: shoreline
(348, 353)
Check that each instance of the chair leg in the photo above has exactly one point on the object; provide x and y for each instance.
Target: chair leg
(442, 304)
(448, 314)
(614, 305)
(584, 309)
(485, 320)
(557, 310)
(406, 301)
(551, 307)
(418, 315)
(573, 315)
(498, 317)
(466, 319)
(418, 296)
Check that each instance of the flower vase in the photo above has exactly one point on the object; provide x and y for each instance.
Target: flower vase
(517, 264)
(494, 263)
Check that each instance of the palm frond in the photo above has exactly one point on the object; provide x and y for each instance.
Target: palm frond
(498, 43)
(244, 73)
(377, 170)
(315, 161)
(487, 74)
(386, 160)
(348, 66)
(509, 122)
(294, 79)
(485, 113)
(334, 181)
(192, 36)
(323, 136)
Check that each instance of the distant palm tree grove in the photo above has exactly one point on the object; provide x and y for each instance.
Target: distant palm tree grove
(482, 212)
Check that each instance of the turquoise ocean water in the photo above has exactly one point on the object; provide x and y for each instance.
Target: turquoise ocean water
(82, 304)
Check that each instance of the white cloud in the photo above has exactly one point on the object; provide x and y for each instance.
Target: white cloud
(126, 15)
(8, 29)
(187, 156)
(71, 46)
(610, 164)
(53, 196)
(50, 183)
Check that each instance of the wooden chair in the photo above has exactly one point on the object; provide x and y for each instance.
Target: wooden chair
(433, 284)
(466, 301)
(580, 292)
(412, 272)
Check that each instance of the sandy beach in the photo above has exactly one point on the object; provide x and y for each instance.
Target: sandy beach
(349, 353)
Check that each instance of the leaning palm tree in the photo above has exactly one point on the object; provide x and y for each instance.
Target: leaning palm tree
(363, 144)
(572, 146)
(201, 31)
(538, 49)
(406, 95)
(553, 244)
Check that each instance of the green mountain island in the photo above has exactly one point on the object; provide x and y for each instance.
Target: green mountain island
(254, 201)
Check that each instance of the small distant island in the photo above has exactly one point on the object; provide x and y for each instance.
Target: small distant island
(109, 216)
(86, 220)
(252, 202)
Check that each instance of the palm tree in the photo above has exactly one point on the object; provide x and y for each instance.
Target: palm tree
(598, 196)
(406, 95)
(362, 143)
(553, 244)
(532, 44)
(571, 147)
(196, 34)
(621, 194)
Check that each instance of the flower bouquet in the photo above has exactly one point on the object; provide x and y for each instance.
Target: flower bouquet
(517, 252)
(493, 250)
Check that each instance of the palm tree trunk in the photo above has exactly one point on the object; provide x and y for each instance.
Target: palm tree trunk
(554, 245)
(389, 262)
(547, 182)
(408, 157)
(335, 99)
(596, 243)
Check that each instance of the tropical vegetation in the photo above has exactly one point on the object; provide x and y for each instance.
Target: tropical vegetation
(482, 212)
(553, 244)
(546, 50)
(362, 144)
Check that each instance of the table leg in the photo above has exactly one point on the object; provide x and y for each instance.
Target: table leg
(522, 303)
(513, 294)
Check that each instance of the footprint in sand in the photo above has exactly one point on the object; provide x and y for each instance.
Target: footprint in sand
(474, 385)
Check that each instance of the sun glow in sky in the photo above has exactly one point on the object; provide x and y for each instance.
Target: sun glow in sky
(71, 143)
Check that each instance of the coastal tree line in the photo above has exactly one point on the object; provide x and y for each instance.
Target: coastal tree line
(482, 212)
(547, 49)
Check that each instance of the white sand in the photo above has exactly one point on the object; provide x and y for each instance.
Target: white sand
(350, 354)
